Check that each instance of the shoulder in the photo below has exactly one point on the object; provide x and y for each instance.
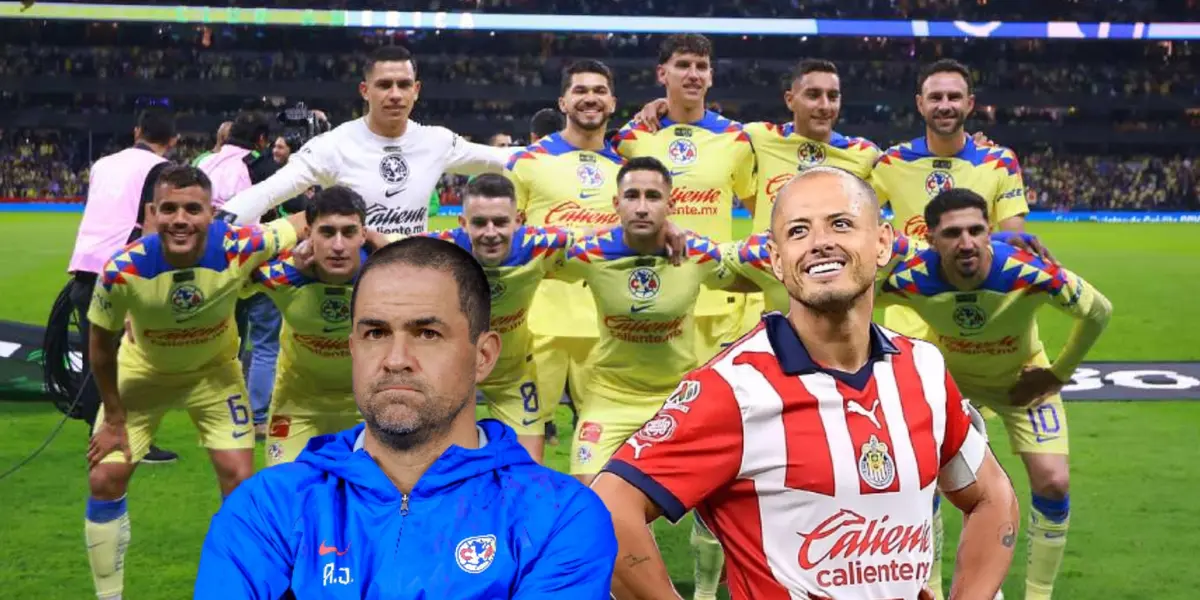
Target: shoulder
(921, 352)
(527, 155)
(853, 143)
(1017, 269)
(1002, 157)
(758, 130)
(917, 275)
(279, 272)
(629, 133)
(137, 259)
(903, 152)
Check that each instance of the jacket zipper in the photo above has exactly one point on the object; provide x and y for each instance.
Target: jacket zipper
(403, 513)
(404, 505)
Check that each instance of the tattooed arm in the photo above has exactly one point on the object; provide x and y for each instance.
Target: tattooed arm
(640, 572)
(989, 534)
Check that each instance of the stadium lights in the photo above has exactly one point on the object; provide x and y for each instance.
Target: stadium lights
(596, 23)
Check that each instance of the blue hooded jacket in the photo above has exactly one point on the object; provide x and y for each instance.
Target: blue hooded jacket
(479, 524)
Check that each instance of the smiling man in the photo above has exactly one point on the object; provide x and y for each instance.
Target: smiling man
(421, 501)
(313, 395)
(392, 161)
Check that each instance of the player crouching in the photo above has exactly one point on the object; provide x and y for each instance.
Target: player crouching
(178, 288)
(313, 395)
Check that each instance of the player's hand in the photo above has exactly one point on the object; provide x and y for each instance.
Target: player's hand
(650, 114)
(302, 255)
(1034, 386)
(982, 140)
(224, 215)
(375, 240)
(1027, 242)
(111, 436)
(926, 594)
(675, 240)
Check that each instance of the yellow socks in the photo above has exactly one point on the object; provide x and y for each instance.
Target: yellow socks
(107, 531)
(1047, 542)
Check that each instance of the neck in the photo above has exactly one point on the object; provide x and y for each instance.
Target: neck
(969, 283)
(684, 112)
(159, 149)
(185, 261)
(316, 272)
(949, 145)
(389, 130)
(816, 137)
(584, 139)
(840, 340)
(643, 244)
(405, 467)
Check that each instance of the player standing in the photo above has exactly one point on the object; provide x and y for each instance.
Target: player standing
(813, 445)
(178, 287)
(313, 395)
(646, 312)
(568, 180)
(392, 162)
(981, 299)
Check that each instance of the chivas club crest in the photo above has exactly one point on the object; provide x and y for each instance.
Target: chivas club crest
(876, 466)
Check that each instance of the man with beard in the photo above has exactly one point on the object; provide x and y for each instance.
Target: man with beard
(178, 288)
(981, 301)
(312, 393)
(815, 429)
(392, 162)
(908, 175)
(421, 501)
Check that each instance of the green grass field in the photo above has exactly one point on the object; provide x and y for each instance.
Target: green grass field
(1134, 464)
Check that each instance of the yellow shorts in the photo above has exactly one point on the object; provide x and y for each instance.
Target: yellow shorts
(561, 364)
(1040, 429)
(520, 405)
(215, 399)
(906, 321)
(714, 332)
(605, 422)
(289, 434)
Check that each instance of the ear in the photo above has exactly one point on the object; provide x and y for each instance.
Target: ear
(887, 236)
(520, 218)
(487, 350)
(562, 108)
(787, 96)
(462, 221)
(970, 104)
(773, 253)
(362, 91)
(416, 90)
(660, 73)
(616, 202)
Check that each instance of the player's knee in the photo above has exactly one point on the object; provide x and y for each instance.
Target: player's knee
(1053, 482)
(108, 483)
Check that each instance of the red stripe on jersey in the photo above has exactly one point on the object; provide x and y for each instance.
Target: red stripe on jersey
(738, 342)
(861, 428)
(917, 412)
(738, 526)
(809, 461)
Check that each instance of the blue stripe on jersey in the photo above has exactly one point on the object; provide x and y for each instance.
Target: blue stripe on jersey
(976, 155)
(1012, 269)
(145, 258)
(555, 145)
(711, 121)
(527, 245)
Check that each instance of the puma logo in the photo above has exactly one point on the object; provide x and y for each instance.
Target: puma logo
(854, 407)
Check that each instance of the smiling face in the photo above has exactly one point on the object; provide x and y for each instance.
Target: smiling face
(687, 77)
(182, 217)
(827, 241)
(816, 101)
(490, 222)
(588, 101)
(945, 102)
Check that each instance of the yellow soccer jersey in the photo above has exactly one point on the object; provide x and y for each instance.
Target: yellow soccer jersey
(314, 341)
(559, 185)
(907, 176)
(182, 319)
(646, 310)
(535, 251)
(989, 334)
(782, 153)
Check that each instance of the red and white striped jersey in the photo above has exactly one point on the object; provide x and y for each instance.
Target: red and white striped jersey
(818, 483)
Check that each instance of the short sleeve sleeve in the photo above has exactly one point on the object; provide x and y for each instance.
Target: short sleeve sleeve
(745, 184)
(109, 301)
(1010, 196)
(254, 245)
(690, 449)
(963, 446)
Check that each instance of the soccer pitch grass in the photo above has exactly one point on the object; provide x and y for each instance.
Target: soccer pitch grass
(1134, 465)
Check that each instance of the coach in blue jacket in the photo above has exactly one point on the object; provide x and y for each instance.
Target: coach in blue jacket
(420, 501)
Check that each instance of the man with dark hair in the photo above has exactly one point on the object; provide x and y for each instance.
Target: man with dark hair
(981, 300)
(177, 287)
(645, 312)
(544, 123)
(120, 186)
(421, 496)
(394, 163)
(500, 140)
(312, 393)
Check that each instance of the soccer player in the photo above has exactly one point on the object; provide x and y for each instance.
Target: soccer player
(313, 395)
(568, 180)
(981, 300)
(813, 445)
(515, 258)
(544, 123)
(178, 288)
(392, 162)
(908, 175)
(646, 312)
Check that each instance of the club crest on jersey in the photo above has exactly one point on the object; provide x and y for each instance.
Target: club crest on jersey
(583, 455)
(335, 310)
(969, 317)
(876, 466)
(475, 554)
(682, 152)
(658, 429)
(186, 299)
(394, 169)
(810, 154)
(644, 284)
(496, 288)
(938, 182)
(275, 450)
(590, 176)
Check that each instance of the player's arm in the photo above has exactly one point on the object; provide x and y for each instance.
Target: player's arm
(1011, 204)
(745, 173)
(1091, 311)
(306, 168)
(469, 158)
(729, 272)
(107, 323)
(565, 565)
(973, 481)
(650, 476)
(264, 242)
(245, 553)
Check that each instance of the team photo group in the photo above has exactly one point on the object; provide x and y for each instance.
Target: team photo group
(814, 394)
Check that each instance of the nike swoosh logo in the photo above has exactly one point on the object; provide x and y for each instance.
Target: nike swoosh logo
(586, 195)
(391, 193)
(237, 435)
(637, 309)
(678, 173)
(333, 329)
(528, 422)
(1041, 439)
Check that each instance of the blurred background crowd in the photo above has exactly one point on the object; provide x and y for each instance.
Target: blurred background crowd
(1112, 126)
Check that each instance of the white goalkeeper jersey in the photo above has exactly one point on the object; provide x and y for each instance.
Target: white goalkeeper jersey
(395, 176)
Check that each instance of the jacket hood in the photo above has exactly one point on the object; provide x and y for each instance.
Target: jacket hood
(342, 456)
